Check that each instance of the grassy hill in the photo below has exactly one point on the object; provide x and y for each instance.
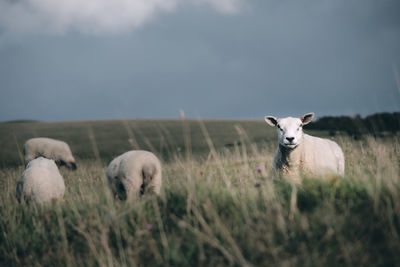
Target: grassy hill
(109, 138)
(215, 209)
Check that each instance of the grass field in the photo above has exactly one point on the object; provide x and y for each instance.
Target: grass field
(106, 139)
(210, 213)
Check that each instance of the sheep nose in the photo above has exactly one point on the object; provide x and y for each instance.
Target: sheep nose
(290, 139)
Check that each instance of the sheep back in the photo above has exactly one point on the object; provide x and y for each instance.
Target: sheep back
(322, 156)
(134, 173)
(57, 150)
(41, 182)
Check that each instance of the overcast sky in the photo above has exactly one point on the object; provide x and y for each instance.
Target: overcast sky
(101, 59)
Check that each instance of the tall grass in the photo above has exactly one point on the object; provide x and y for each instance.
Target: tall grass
(216, 210)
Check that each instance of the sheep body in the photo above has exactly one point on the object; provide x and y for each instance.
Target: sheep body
(133, 173)
(56, 150)
(314, 156)
(300, 153)
(41, 182)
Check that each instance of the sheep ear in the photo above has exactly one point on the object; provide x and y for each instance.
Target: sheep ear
(271, 120)
(307, 118)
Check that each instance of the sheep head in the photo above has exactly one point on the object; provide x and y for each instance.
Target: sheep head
(290, 130)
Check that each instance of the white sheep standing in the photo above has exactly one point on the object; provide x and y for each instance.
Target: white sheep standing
(300, 153)
(56, 150)
(134, 173)
(41, 182)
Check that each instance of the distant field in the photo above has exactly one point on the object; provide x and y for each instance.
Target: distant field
(109, 138)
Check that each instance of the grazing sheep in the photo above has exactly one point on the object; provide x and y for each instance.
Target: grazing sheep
(56, 150)
(299, 153)
(134, 173)
(41, 182)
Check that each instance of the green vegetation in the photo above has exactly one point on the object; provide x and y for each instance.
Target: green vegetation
(106, 139)
(379, 124)
(215, 207)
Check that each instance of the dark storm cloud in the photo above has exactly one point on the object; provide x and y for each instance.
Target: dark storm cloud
(270, 57)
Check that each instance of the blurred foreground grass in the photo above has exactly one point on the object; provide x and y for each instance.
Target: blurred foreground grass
(210, 212)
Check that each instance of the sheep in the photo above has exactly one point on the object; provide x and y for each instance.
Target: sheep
(56, 150)
(300, 153)
(40, 183)
(134, 173)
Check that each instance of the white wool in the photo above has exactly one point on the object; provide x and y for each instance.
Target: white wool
(56, 150)
(133, 173)
(41, 182)
(299, 153)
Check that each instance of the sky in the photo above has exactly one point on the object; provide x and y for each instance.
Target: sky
(100, 59)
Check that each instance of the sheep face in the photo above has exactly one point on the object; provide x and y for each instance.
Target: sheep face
(290, 131)
(70, 165)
